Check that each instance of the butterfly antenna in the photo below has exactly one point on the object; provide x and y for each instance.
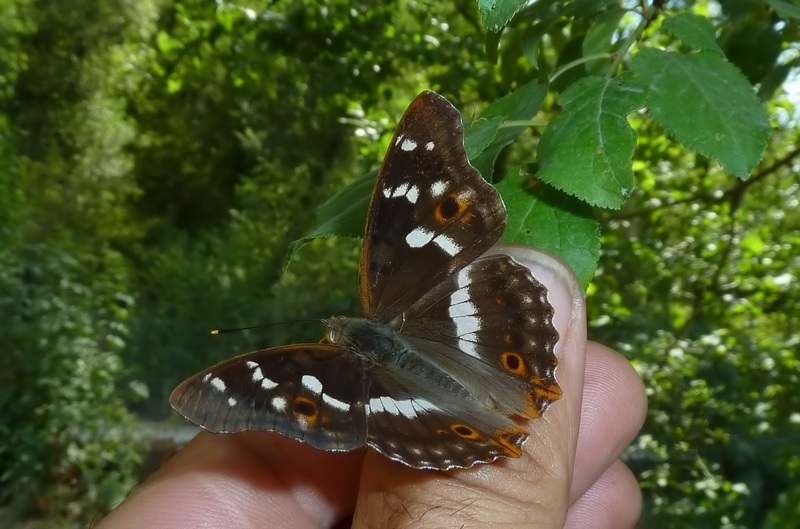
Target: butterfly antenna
(238, 329)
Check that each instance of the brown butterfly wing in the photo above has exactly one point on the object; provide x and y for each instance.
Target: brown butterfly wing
(312, 392)
(431, 212)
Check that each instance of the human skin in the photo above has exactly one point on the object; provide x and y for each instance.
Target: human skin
(569, 476)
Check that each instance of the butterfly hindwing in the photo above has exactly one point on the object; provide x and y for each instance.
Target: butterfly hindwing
(307, 392)
(431, 211)
(410, 423)
(489, 326)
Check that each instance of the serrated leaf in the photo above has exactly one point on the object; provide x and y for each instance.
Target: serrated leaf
(587, 150)
(546, 218)
(496, 14)
(520, 105)
(706, 104)
(693, 30)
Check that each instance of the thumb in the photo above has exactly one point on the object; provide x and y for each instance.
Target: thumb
(531, 490)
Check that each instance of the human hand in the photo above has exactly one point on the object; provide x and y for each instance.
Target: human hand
(569, 476)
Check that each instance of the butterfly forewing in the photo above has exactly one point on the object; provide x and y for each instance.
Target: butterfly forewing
(307, 392)
(431, 212)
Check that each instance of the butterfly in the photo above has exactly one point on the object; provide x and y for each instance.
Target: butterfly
(454, 350)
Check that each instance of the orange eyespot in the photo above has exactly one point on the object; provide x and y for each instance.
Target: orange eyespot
(306, 408)
(513, 362)
(465, 432)
(449, 208)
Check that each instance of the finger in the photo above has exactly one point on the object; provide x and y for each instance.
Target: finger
(241, 481)
(614, 409)
(613, 502)
(510, 492)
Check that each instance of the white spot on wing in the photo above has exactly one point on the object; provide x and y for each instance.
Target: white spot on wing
(268, 384)
(251, 364)
(403, 190)
(408, 145)
(462, 311)
(438, 187)
(447, 244)
(232, 402)
(429, 146)
(403, 407)
(207, 377)
(218, 384)
(312, 384)
(279, 403)
(413, 194)
(375, 405)
(419, 237)
(336, 403)
(399, 139)
(408, 408)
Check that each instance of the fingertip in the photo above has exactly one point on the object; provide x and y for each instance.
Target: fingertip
(613, 502)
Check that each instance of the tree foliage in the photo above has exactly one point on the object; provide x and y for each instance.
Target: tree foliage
(160, 158)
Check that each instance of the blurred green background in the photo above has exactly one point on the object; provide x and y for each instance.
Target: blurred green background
(159, 156)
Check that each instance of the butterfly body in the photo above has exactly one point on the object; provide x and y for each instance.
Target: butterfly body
(454, 350)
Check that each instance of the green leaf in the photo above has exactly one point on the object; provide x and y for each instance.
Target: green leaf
(598, 38)
(584, 8)
(706, 104)
(693, 30)
(495, 14)
(520, 105)
(785, 9)
(481, 134)
(548, 219)
(530, 41)
(774, 80)
(343, 214)
(587, 150)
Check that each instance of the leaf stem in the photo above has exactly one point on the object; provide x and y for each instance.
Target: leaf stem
(578, 62)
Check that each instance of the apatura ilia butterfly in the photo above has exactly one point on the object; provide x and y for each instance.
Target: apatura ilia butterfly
(454, 350)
